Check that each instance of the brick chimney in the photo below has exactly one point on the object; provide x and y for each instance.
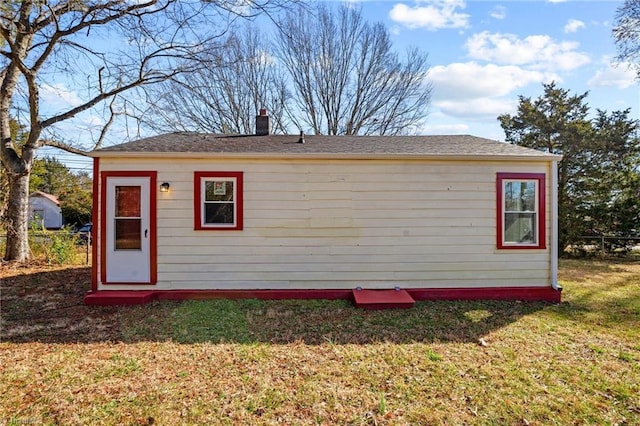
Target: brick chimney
(262, 123)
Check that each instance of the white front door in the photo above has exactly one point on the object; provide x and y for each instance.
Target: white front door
(128, 228)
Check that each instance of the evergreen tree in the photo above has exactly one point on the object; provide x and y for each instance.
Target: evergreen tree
(599, 173)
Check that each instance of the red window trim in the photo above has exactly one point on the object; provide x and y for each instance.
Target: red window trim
(542, 208)
(197, 200)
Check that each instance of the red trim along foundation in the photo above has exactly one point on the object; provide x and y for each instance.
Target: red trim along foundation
(133, 297)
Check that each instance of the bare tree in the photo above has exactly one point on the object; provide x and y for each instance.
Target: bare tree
(626, 33)
(41, 40)
(224, 98)
(346, 77)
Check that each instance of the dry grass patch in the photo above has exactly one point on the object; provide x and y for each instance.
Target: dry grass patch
(320, 362)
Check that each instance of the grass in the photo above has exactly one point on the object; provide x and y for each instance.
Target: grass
(321, 362)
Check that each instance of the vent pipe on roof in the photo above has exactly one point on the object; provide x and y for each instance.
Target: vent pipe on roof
(262, 123)
(301, 140)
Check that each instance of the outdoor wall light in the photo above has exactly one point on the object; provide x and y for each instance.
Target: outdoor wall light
(164, 187)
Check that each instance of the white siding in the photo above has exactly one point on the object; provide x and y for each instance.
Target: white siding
(342, 224)
(52, 214)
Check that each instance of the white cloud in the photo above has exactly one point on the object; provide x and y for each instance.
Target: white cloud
(573, 25)
(468, 97)
(536, 51)
(472, 80)
(432, 14)
(620, 75)
(474, 91)
(58, 96)
(498, 12)
(445, 129)
(485, 108)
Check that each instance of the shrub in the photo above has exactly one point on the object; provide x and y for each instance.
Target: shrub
(54, 246)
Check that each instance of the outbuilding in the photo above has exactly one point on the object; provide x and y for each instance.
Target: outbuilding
(44, 211)
(190, 215)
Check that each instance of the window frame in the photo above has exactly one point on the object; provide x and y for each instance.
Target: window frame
(541, 237)
(199, 180)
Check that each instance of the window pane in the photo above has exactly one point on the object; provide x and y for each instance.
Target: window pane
(218, 191)
(128, 235)
(520, 228)
(127, 201)
(520, 196)
(218, 213)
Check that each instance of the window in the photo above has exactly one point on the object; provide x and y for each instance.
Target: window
(218, 200)
(521, 211)
(128, 218)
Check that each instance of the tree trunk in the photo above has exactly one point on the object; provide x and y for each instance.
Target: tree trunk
(17, 218)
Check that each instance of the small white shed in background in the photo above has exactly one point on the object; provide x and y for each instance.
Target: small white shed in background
(45, 211)
(186, 215)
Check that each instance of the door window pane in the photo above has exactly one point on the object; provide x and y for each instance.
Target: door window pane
(128, 201)
(128, 234)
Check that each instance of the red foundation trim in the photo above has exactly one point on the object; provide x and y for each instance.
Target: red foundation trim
(105, 297)
(254, 294)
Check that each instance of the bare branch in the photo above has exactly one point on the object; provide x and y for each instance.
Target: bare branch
(63, 146)
(107, 125)
(626, 33)
(225, 96)
(43, 41)
(347, 78)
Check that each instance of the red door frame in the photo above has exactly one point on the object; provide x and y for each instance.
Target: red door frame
(153, 240)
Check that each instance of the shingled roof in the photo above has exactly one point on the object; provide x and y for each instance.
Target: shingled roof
(184, 143)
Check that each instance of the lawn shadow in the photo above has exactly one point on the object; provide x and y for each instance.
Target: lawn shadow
(339, 322)
(48, 307)
(322, 321)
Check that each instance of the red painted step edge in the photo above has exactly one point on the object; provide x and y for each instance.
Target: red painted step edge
(119, 297)
(383, 299)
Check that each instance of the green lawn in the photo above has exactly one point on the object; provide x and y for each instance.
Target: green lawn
(321, 362)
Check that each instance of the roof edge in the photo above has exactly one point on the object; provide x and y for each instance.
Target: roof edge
(545, 157)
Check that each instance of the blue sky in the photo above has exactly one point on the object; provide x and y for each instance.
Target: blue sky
(483, 55)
